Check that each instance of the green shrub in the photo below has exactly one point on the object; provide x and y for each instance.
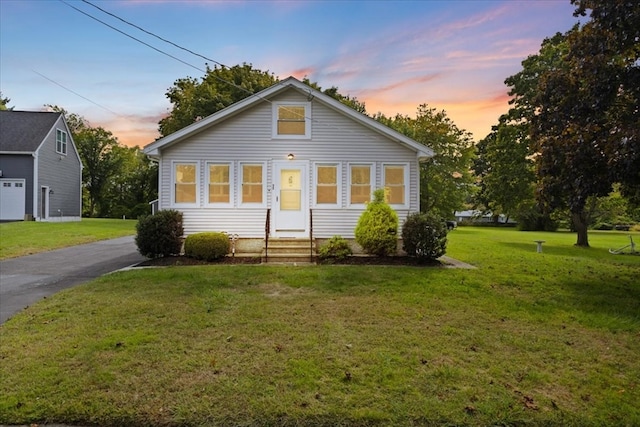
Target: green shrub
(207, 246)
(424, 236)
(336, 248)
(160, 234)
(377, 228)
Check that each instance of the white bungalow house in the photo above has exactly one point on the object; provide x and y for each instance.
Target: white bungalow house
(288, 162)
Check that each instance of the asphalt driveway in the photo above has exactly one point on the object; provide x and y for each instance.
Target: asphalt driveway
(26, 280)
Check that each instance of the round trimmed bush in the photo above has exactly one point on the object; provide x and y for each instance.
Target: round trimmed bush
(160, 234)
(377, 228)
(336, 248)
(207, 246)
(424, 236)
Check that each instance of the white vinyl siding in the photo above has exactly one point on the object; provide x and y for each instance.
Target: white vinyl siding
(247, 138)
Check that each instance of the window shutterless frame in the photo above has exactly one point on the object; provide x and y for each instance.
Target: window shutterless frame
(185, 183)
(291, 120)
(252, 185)
(220, 185)
(327, 185)
(395, 181)
(360, 184)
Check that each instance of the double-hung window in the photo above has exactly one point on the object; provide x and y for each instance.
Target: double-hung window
(395, 184)
(252, 179)
(219, 184)
(61, 142)
(327, 185)
(185, 183)
(291, 120)
(361, 178)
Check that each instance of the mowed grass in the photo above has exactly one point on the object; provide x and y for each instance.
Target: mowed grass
(29, 237)
(524, 339)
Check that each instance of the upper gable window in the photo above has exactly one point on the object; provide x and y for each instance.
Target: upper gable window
(61, 141)
(291, 120)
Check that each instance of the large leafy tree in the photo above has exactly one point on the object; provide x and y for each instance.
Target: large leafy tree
(445, 179)
(504, 162)
(194, 99)
(4, 103)
(585, 115)
(220, 87)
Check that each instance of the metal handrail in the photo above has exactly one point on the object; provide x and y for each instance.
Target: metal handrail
(310, 235)
(267, 227)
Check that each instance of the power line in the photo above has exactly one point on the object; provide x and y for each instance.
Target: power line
(154, 35)
(75, 93)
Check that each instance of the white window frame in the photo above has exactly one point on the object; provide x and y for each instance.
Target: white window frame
(173, 183)
(231, 185)
(405, 166)
(338, 203)
(307, 120)
(372, 182)
(241, 180)
(62, 142)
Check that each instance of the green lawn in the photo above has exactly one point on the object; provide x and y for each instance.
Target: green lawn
(524, 339)
(29, 237)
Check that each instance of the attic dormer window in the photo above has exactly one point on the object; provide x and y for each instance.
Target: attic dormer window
(61, 142)
(292, 120)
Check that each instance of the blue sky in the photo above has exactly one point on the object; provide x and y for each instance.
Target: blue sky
(391, 55)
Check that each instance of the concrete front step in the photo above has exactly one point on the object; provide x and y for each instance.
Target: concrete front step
(282, 250)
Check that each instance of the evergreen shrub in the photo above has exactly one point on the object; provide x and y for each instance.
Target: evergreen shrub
(207, 246)
(336, 248)
(160, 234)
(377, 228)
(424, 236)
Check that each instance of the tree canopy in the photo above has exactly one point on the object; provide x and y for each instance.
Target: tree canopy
(585, 118)
(445, 179)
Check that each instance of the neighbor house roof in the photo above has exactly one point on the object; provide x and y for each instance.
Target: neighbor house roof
(154, 148)
(24, 131)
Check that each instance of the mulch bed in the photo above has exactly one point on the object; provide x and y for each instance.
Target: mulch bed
(353, 260)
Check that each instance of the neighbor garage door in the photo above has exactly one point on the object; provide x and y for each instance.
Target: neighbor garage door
(12, 199)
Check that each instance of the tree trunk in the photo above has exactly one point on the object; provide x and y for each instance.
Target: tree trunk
(581, 223)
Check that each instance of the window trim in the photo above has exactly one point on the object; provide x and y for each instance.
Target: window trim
(339, 189)
(405, 167)
(307, 120)
(231, 185)
(240, 182)
(63, 144)
(372, 183)
(174, 163)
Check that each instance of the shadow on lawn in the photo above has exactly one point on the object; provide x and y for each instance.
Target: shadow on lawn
(596, 287)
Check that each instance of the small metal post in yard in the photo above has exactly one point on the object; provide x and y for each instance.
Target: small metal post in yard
(233, 238)
(539, 247)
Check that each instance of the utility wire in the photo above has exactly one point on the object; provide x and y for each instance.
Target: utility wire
(75, 93)
(154, 35)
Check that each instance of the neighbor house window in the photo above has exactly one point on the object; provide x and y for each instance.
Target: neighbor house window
(219, 183)
(185, 183)
(395, 184)
(327, 184)
(291, 120)
(252, 183)
(61, 141)
(360, 179)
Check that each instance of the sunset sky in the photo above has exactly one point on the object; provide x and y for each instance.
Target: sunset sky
(391, 55)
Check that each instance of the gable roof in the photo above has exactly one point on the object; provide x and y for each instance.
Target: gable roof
(153, 149)
(24, 131)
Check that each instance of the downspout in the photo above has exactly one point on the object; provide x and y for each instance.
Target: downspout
(35, 211)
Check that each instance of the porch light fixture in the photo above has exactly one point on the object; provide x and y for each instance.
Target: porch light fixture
(290, 156)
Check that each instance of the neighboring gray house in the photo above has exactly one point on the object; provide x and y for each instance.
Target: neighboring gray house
(288, 162)
(40, 169)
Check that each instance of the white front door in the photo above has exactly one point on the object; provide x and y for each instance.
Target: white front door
(290, 213)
